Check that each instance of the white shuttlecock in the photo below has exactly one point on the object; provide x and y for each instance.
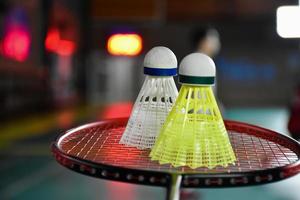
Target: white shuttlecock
(155, 99)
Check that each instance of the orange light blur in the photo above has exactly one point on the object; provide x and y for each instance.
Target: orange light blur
(124, 44)
(65, 119)
(116, 110)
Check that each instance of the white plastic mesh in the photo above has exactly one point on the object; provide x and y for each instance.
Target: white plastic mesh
(150, 110)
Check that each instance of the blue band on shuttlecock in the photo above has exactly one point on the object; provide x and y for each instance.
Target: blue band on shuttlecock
(160, 71)
(201, 80)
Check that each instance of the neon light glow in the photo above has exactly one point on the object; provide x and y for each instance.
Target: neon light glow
(116, 110)
(52, 40)
(16, 44)
(124, 44)
(54, 43)
(288, 20)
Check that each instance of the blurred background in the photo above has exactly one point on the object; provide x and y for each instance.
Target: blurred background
(68, 62)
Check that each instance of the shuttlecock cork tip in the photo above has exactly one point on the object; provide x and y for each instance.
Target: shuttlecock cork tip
(160, 61)
(197, 69)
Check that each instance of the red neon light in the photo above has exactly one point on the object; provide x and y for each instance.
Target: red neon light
(54, 43)
(52, 40)
(16, 44)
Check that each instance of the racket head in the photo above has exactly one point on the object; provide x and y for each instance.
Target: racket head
(263, 156)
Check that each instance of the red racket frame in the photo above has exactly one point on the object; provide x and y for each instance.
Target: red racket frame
(190, 179)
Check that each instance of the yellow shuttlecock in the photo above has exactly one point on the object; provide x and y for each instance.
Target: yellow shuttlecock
(194, 133)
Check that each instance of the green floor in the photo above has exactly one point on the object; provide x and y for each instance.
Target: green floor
(28, 171)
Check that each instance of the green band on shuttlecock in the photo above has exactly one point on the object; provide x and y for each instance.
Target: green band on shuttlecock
(201, 80)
